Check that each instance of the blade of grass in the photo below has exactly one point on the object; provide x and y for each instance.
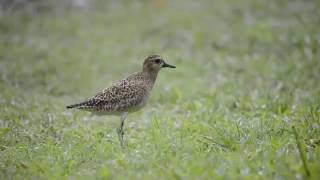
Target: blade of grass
(301, 151)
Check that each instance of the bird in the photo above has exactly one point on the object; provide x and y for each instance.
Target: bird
(127, 95)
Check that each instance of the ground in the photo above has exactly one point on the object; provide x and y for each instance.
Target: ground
(243, 102)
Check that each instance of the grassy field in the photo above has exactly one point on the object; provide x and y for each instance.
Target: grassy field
(243, 102)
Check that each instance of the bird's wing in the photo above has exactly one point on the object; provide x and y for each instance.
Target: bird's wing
(119, 97)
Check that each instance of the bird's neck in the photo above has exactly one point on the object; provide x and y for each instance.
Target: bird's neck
(151, 76)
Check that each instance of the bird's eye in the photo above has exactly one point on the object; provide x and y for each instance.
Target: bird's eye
(158, 61)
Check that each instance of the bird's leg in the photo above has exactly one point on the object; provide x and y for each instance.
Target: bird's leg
(120, 129)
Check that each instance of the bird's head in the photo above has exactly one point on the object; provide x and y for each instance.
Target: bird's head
(154, 63)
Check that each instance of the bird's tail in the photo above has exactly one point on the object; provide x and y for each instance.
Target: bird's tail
(74, 106)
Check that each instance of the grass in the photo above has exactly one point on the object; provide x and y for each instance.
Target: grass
(247, 73)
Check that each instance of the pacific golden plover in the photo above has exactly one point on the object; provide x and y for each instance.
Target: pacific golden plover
(127, 95)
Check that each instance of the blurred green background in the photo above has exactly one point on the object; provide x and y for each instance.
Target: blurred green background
(243, 102)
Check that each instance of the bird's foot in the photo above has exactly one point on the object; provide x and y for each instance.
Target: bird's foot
(120, 135)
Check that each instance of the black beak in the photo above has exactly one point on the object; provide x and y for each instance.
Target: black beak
(168, 65)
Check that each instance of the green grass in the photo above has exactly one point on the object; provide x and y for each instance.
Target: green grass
(243, 103)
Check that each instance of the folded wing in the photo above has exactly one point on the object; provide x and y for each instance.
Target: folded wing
(123, 96)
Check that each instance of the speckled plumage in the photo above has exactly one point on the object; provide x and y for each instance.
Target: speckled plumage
(127, 95)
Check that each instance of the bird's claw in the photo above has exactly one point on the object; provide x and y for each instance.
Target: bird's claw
(120, 134)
